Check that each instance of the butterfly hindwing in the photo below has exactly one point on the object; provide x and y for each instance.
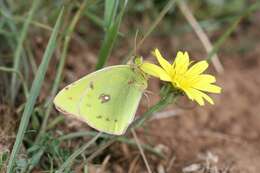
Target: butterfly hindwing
(107, 99)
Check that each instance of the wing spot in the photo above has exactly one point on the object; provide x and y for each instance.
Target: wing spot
(115, 121)
(67, 88)
(91, 85)
(107, 119)
(131, 82)
(104, 98)
(70, 98)
(99, 117)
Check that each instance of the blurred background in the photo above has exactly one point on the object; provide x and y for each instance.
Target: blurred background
(93, 33)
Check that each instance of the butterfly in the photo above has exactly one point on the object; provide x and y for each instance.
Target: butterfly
(107, 99)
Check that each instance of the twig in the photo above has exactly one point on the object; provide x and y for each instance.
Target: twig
(201, 34)
(104, 164)
(132, 165)
(100, 149)
(141, 151)
(171, 164)
(166, 114)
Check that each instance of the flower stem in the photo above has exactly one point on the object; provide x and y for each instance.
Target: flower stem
(162, 103)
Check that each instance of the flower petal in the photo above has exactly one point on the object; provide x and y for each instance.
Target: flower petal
(193, 94)
(155, 71)
(206, 97)
(181, 62)
(207, 78)
(207, 87)
(163, 62)
(198, 68)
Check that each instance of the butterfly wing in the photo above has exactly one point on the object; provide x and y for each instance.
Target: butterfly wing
(106, 99)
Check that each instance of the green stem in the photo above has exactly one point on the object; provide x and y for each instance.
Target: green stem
(161, 104)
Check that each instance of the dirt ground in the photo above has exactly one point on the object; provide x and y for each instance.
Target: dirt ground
(224, 137)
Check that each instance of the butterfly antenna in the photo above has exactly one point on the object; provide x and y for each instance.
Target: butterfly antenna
(132, 57)
(136, 35)
(135, 48)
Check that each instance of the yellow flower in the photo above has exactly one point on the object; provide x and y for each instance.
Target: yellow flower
(183, 76)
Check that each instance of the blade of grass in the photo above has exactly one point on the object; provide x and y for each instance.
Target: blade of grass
(232, 28)
(164, 11)
(98, 21)
(22, 19)
(19, 48)
(110, 38)
(101, 148)
(122, 139)
(11, 41)
(95, 19)
(10, 23)
(111, 7)
(55, 121)
(61, 66)
(79, 151)
(6, 69)
(35, 90)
